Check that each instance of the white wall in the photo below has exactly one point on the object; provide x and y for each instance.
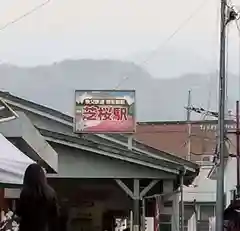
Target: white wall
(202, 189)
(230, 178)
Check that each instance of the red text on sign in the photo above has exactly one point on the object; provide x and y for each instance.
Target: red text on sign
(109, 113)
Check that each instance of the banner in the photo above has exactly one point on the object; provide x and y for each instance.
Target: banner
(105, 111)
(212, 222)
(192, 223)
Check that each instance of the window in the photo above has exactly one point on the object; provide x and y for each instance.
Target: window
(206, 211)
(185, 225)
(165, 222)
(188, 213)
(165, 227)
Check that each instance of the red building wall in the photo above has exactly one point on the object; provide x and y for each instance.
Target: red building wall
(173, 137)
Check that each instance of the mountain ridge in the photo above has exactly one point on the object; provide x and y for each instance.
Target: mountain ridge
(157, 99)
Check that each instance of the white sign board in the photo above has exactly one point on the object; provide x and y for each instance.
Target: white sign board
(12, 193)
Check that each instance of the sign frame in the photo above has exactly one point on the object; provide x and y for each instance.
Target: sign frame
(105, 132)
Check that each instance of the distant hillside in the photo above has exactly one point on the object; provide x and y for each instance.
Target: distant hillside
(157, 99)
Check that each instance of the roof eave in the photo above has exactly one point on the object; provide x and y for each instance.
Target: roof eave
(30, 141)
(67, 120)
(189, 165)
(117, 153)
(103, 150)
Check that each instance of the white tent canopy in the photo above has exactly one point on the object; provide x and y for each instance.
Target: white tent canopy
(13, 163)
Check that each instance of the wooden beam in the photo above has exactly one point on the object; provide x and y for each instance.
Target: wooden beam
(125, 188)
(149, 187)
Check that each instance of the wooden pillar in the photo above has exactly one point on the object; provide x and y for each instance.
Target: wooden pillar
(136, 205)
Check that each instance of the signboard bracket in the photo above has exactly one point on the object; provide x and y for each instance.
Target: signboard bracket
(130, 142)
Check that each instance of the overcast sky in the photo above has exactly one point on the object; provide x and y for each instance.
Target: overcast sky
(123, 29)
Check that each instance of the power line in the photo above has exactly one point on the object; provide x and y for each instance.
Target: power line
(203, 111)
(175, 32)
(36, 8)
(204, 142)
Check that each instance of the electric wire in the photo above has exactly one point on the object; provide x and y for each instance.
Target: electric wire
(170, 37)
(227, 69)
(204, 137)
(204, 112)
(33, 10)
(152, 55)
(204, 116)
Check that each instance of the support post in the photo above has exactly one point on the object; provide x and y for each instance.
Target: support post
(136, 207)
(175, 211)
(196, 213)
(130, 142)
(131, 220)
(181, 203)
(221, 120)
(135, 195)
(143, 214)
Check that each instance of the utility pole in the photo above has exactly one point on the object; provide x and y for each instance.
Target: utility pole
(225, 19)
(238, 149)
(189, 126)
(221, 121)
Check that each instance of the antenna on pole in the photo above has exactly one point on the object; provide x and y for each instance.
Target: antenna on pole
(189, 126)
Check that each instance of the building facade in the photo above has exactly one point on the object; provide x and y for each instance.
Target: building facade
(173, 137)
(98, 177)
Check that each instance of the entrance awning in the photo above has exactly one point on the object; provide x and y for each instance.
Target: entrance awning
(13, 163)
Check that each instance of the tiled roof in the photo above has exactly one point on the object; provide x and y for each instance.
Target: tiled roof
(172, 137)
(7, 96)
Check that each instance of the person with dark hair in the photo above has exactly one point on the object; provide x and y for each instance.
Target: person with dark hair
(63, 219)
(37, 207)
(232, 216)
